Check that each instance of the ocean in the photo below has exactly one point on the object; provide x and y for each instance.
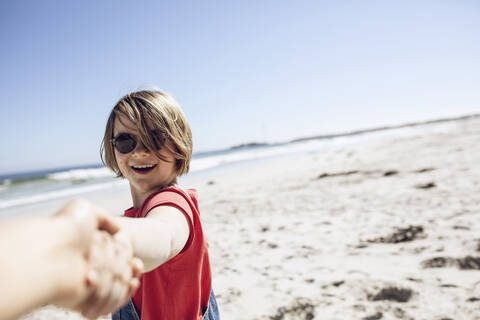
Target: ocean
(26, 188)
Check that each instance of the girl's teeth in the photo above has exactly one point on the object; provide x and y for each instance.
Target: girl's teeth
(143, 167)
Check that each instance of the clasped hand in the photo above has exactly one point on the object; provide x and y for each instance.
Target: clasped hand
(110, 272)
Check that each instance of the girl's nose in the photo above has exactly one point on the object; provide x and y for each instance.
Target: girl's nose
(140, 148)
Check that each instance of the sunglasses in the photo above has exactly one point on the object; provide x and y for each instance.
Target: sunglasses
(126, 143)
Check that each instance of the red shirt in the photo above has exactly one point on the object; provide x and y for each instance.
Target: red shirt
(180, 288)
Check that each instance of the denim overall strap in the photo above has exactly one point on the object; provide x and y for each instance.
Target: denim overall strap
(212, 309)
(128, 311)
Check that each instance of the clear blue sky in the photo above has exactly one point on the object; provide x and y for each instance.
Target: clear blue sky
(242, 70)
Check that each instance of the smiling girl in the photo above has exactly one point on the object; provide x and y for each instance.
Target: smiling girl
(148, 141)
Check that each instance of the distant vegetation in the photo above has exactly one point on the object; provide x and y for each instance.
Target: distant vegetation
(352, 133)
(249, 145)
(413, 124)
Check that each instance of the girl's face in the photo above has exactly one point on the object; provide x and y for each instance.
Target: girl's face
(145, 172)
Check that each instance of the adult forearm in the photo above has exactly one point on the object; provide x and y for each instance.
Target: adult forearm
(36, 267)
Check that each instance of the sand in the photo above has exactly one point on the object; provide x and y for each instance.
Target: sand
(386, 229)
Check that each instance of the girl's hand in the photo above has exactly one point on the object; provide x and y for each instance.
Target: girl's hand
(115, 274)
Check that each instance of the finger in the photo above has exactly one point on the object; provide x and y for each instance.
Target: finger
(133, 286)
(106, 222)
(108, 301)
(92, 278)
(137, 267)
(103, 254)
(88, 308)
(125, 273)
(116, 296)
(123, 253)
(122, 295)
(100, 298)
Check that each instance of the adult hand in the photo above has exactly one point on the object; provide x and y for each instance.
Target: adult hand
(110, 273)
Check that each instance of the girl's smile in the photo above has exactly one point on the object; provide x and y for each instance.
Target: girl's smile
(143, 169)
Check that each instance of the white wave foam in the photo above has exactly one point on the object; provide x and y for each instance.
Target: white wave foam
(57, 194)
(253, 154)
(82, 174)
(5, 184)
(313, 145)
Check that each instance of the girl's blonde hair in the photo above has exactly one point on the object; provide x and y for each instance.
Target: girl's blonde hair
(151, 110)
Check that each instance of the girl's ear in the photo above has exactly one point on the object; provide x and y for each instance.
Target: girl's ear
(178, 164)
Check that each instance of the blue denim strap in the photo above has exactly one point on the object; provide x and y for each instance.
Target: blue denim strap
(128, 312)
(212, 309)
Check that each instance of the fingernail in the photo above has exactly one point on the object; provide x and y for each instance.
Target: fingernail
(135, 282)
(92, 277)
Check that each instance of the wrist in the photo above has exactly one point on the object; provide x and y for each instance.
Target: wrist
(124, 235)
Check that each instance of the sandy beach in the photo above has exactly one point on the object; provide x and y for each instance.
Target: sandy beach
(386, 229)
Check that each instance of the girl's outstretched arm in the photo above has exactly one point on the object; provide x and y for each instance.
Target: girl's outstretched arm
(158, 237)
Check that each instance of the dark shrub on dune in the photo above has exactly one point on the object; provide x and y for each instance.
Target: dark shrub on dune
(301, 309)
(401, 235)
(392, 294)
(465, 263)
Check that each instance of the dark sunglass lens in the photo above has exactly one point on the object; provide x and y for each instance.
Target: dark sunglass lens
(124, 143)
